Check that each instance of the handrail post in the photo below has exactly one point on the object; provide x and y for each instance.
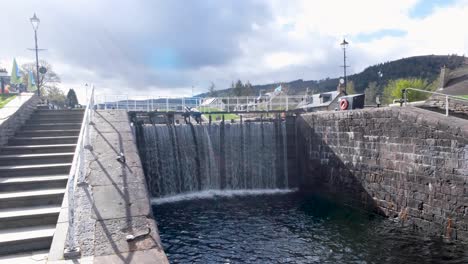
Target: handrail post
(446, 105)
(405, 97)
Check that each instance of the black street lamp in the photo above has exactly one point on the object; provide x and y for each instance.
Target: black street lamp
(344, 44)
(35, 23)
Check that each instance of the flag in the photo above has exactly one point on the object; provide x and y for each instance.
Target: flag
(278, 90)
(31, 83)
(15, 74)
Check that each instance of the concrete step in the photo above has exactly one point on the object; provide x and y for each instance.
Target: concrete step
(31, 159)
(21, 199)
(21, 141)
(35, 170)
(63, 120)
(26, 239)
(29, 216)
(43, 107)
(51, 126)
(48, 133)
(59, 112)
(37, 149)
(28, 183)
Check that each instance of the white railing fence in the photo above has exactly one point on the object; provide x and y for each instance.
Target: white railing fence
(217, 104)
(447, 97)
(76, 175)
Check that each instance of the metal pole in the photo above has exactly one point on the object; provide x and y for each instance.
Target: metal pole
(228, 104)
(405, 97)
(37, 65)
(344, 67)
(446, 106)
(287, 105)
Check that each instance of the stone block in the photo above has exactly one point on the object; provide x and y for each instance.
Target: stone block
(110, 236)
(120, 201)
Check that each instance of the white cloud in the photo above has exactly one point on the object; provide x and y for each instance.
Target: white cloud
(110, 43)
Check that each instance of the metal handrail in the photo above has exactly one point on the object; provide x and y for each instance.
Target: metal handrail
(405, 97)
(76, 174)
(174, 104)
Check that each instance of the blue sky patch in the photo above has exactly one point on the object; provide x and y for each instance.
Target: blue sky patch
(164, 58)
(425, 7)
(365, 37)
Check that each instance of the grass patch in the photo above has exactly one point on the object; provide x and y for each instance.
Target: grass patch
(215, 117)
(5, 98)
(464, 96)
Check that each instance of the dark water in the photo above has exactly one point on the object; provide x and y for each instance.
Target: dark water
(291, 228)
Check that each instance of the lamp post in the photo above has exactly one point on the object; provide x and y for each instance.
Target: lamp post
(35, 23)
(344, 44)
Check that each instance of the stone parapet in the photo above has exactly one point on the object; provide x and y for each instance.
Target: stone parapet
(406, 163)
(455, 106)
(15, 113)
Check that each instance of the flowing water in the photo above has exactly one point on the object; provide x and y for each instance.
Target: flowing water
(187, 158)
(290, 228)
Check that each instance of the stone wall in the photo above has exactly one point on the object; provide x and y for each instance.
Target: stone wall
(405, 163)
(14, 114)
(455, 106)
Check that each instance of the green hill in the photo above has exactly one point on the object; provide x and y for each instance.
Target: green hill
(425, 67)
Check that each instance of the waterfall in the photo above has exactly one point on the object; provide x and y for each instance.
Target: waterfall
(191, 158)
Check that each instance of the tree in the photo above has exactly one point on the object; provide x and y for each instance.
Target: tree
(49, 79)
(371, 93)
(72, 100)
(238, 88)
(248, 89)
(394, 90)
(350, 88)
(55, 96)
(211, 89)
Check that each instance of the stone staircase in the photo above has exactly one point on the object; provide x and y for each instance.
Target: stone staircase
(34, 169)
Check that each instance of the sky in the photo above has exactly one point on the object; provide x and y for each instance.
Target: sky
(171, 47)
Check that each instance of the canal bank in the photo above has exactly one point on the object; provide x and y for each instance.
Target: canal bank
(111, 201)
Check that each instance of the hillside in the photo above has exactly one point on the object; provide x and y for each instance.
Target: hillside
(426, 67)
